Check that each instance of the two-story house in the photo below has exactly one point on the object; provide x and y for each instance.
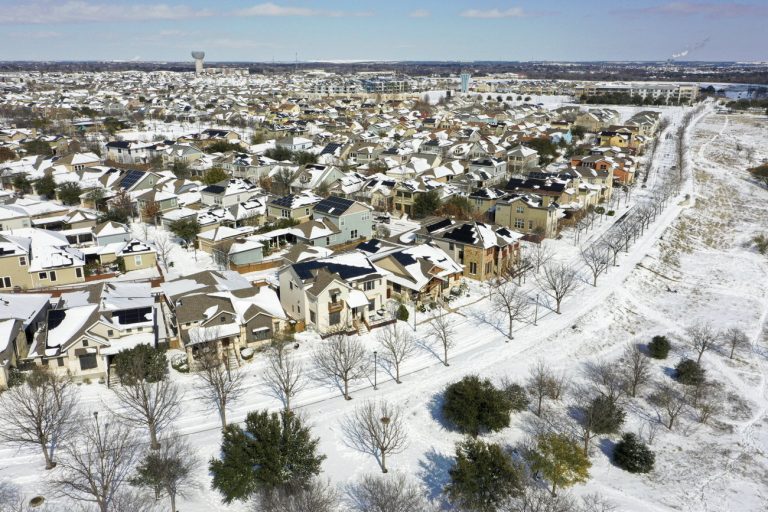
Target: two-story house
(344, 292)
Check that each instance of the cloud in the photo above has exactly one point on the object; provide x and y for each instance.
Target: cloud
(35, 34)
(420, 13)
(75, 11)
(270, 9)
(512, 12)
(712, 10)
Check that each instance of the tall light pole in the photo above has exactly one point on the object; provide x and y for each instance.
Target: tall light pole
(375, 368)
(536, 310)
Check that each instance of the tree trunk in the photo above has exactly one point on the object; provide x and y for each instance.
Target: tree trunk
(594, 281)
(383, 461)
(48, 459)
(346, 390)
(287, 401)
(733, 348)
(445, 358)
(173, 501)
(554, 488)
(153, 444)
(397, 373)
(223, 414)
(557, 301)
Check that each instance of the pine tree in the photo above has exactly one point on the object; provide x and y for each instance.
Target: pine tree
(633, 455)
(482, 477)
(273, 451)
(473, 404)
(659, 347)
(689, 372)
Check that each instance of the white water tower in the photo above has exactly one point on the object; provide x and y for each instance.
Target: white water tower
(198, 56)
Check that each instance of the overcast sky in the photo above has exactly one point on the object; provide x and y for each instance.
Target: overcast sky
(241, 30)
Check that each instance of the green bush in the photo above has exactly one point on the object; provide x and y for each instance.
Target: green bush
(141, 362)
(659, 347)
(473, 405)
(402, 313)
(483, 477)
(632, 455)
(689, 372)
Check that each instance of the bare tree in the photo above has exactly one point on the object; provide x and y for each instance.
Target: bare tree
(670, 402)
(557, 281)
(702, 337)
(377, 428)
(540, 384)
(537, 499)
(539, 254)
(341, 358)
(284, 375)
(97, 463)
(735, 339)
(443, 330)
(220, 384)
(395, 493)
(614, 243)
(707, 400)
(163, 246)
(509, 305)
(315, 496)
(398, 343)
(168, 470)
(154, 405)
(606, 379)
(597, 259)
(41, 412)
(635, 369)
(626, 230)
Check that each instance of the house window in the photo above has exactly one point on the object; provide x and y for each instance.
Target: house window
(42, 275)
(372, 305)
(88, 362)
(530, 224)
(53, 275)
(353, 233)
(473, 268)
(79, 272)
(110, 333)
(520, 209)
(223, 318)
(23, 261)
(290, 285)
(6, 282)
(285, 214)
(85, 343)
(334, 318)
(369, 285)
(312, 317)
(306, 211)
(137, 259)
(60, 361)
(520, 223)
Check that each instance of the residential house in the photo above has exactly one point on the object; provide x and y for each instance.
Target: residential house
(483, 250)
(36, 258)
(229, 192)
(293, 206)
(344, 292)
(353, 219)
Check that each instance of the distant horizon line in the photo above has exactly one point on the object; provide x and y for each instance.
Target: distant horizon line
(386, 61)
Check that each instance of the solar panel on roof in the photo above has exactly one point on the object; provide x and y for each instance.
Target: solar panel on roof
(130, 179)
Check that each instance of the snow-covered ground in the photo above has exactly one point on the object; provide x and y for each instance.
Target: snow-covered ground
(694, 264)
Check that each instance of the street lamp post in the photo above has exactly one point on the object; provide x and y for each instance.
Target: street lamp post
(375, 368)
(536, 310)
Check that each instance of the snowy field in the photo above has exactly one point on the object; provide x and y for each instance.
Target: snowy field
(694, 264)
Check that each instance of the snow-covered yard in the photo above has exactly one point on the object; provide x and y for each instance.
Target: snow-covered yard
(694, 264)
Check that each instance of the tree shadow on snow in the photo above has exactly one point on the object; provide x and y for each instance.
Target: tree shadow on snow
(607, 446)
(433, 471)
(435, 406)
